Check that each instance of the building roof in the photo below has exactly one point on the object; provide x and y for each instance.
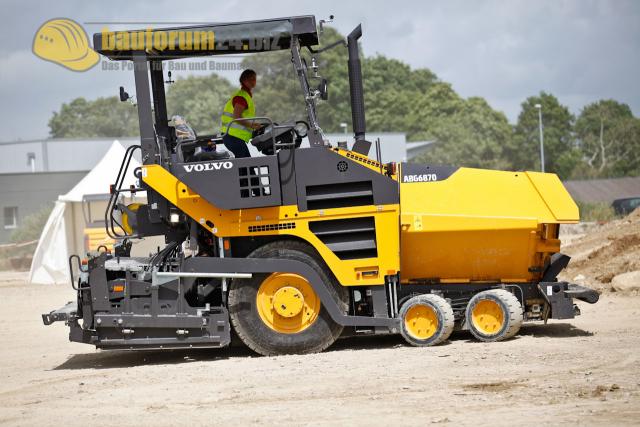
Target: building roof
(55, 155)
(417, 147)
(603, 190)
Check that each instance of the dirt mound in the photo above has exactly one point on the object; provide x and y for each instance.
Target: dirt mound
(605, 252)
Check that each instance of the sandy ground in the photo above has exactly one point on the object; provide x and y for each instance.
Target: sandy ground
(599, 253)
(586, 371)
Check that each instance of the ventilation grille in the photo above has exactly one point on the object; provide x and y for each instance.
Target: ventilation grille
(352, 238)
(340, 195)
(272, 227)
(254, 181)
(365, 160)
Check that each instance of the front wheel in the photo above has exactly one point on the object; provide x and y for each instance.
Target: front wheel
(280, 313)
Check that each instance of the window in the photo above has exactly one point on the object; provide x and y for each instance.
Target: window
(11, 217)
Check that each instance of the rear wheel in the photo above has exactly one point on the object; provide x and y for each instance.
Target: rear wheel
(426, 320)
(280, 313)
(494, 315)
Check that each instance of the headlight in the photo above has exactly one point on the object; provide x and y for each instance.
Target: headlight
(301, 129)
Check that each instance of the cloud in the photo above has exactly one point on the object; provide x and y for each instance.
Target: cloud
(578, 50)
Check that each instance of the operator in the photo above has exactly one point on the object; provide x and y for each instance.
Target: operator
(240, 105)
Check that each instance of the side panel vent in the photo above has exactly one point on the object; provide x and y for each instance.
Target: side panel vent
(363, 159)
(254, 182)
(272, 227)
(352, 238)
(339, 195)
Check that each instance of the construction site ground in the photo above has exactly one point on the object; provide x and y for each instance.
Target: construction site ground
(583, 371)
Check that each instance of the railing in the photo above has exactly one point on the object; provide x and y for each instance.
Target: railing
(116, 190)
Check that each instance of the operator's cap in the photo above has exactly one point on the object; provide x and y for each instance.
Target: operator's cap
(65, 42)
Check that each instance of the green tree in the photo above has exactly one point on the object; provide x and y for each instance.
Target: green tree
(103, 117)
(392, 91)
(200, 100)
(468, 133)
(608, 140)
(278, 94)
(390, 86)
(560, 152)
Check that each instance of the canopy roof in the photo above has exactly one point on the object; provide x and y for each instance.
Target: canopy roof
(210, 39)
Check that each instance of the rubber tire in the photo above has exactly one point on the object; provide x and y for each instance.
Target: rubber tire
(446, 320)
(510, 305)
(261, 338)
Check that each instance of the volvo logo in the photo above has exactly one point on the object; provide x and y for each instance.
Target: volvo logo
(202, 167)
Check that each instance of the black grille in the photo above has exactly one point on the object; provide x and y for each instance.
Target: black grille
(352, 238)
(272, 227)
(339, 195)
(254, 181)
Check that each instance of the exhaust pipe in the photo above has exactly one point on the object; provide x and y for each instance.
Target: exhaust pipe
(355, 84)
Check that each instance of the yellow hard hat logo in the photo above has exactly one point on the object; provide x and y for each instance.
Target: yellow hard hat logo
(65, 42)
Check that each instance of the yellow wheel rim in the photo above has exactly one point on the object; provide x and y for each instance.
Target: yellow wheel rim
(487, 317)
(125, 217)
(287, 303)
(421, 321)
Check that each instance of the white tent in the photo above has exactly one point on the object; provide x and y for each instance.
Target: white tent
(63, 233)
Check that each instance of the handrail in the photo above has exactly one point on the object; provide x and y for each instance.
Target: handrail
(115, 192)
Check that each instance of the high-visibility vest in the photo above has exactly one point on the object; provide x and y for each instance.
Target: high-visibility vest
(238, 129)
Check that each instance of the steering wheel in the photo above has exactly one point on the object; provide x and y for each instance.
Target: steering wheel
(286, 136)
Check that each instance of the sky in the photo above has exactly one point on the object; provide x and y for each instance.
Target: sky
(504, 51)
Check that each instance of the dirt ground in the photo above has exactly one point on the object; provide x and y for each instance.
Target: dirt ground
(599, 253)
(585, 371)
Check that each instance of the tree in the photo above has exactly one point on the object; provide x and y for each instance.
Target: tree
(560, 152)
(200, 100)
(103, 117)
(608, 140)
(468, 133)
(278, 94)
(390, 87)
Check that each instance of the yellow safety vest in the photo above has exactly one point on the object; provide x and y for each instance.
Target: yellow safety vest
(238, 129)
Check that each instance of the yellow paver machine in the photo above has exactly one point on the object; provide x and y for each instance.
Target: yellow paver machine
(291, 249)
